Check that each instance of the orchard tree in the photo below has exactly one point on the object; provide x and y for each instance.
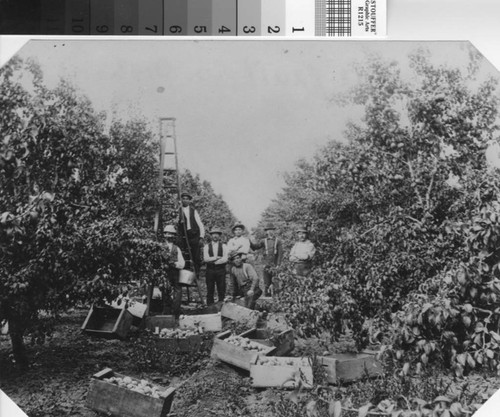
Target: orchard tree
(409, 198)
(71, 199)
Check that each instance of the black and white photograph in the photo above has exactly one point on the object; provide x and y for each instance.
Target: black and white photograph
(221, 228)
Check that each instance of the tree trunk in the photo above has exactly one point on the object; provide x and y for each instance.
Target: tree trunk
(16, 331)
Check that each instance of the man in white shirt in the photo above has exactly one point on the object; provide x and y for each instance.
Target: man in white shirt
(191, 230)
(239, 243)
(302, 253)
(175, 262)
(215, 255)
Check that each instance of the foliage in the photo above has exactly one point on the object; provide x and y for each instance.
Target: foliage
(405, 218)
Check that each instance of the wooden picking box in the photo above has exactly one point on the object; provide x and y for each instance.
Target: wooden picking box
(162, 322)
(209, 322)
(281, 372)
(108, 322)
(347, 367)
(236, 355)
(240, 314)
(283, 341)
(175, 344)
(111, 399)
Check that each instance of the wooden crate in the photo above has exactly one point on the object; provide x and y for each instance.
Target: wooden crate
(236, 355)
(209, 322)
(135, 307)
(111, 399)
(347, 367)
(240, 314)
(162, 322)
(108, 322)
(175, 344)
(283, 341)
(284, 373)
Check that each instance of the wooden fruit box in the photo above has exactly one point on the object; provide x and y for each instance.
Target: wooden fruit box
(161, 321)
(240, 314)
(236, 355)
(209, 322)
(175, 344)
(347, 367)
(108, 322)
(281, 372)
(135, 307)
(283, 341)
(111, 399)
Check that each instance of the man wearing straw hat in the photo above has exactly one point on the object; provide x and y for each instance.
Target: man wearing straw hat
(215, 255)
(175, 262)
(191, 229)
(302, 253)
(273, 255)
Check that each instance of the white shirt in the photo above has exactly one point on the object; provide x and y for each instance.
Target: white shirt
(180, 263)
(239, 244)
(302, 251)
(213, 259)
(196, 217)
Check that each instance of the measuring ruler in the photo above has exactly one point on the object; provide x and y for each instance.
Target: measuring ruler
(270, 18)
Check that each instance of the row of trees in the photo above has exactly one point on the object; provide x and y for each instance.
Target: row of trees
(77, 202)
(405, 214)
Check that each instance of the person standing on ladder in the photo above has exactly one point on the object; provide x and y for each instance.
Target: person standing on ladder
(175, 262)
(191, 230)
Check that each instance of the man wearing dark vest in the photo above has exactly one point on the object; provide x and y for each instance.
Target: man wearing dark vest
(191, 230)
(273, 255)
(175, 262)
(215, 256)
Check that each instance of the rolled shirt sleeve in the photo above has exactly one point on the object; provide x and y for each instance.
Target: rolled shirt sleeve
(200, 223)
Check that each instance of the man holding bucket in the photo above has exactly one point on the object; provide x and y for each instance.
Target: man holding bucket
(175, 262)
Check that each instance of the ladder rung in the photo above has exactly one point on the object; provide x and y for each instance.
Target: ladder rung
(169, 153)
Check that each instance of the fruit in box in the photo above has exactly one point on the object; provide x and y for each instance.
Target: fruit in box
(245, 343)
(142, 386)
(179, 333)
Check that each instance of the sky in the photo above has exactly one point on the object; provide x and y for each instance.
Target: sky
(245, 111)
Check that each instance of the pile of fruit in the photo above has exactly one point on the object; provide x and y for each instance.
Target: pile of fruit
(142, 386)
(274, 361)
(245, 343)
(179, 333)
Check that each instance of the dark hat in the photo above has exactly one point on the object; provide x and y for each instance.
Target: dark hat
(302, 229)
(238, 224)
(185, 194)
(216, 230)
(269, 226)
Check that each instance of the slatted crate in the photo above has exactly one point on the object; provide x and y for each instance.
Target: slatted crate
(179, 344)
(161, 321)
(282, 340)
(108, 322)
(113, 400)
(348, 367)
(240, 314)
(209, 322)
(236, 355)
(281, 372)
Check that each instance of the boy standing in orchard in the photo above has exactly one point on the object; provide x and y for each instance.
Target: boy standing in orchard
(215, 256)
(302, 253)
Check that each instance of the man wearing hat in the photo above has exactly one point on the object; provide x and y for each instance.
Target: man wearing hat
(191, 229)
(302, 253)
(215, 255)
(175, 262)
(244, 281)
(273, 255)
(239, 243)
